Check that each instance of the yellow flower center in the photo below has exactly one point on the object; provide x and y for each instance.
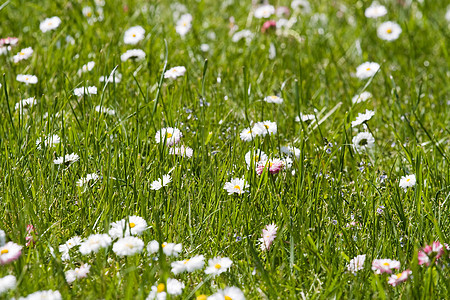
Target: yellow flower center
(169, 135)
(132, 225)
(368, 69)
(267, 126)
(399, 275)
(227, 297)
(386, 264)
(185, 261)
(201, 297)
(161, 287)
(237, 187)
(163, 245)
(21, 53)
(407, 180)
(249, 131)
(89, 14)
(134, 35)
(217, 266)
(4, 251)
(389, 30)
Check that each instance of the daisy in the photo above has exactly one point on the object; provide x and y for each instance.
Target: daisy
(133, 54)
(183, 25)
(407, 181)
(291, 151)
(362, 118)
(88, 12)
(47, 295)
(248, 134)
(265, 127)
(9, 253)
(48, 141)
(243, 34)
(89, 177)
(9, 41)
(73, 242)
(67, 159)
(153, 247)
(395, 279)
(128, 246)
(94, 243)
(273, 165)
(389, 31)
(77, 273)
(367, 70)
(134, 35)
(190, 265)
(135, 225)
(273, 99)
(182, 151)
(268, 236)
(113, 77)
(228, 293)
(236, 186)
(170, 136)
(50, 24)
(7, 283)
(23, 54)
(87, 67)
(257, 156)
(428, 253)
(375, 10)
(105, 110)
(218, 265)
(90, 90)
(264, 11)
(171, 249)
(381, 266)
(364, 96)
(356, 264)
(28, 79)
(159, 292)
(24, 104)
(301, 5)
(363, 141)
(305, 118)
(158, 184)
(175, 72)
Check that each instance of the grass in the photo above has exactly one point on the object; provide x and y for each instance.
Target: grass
(313, 71)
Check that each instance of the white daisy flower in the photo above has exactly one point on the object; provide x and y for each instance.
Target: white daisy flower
(243, 34)
(9, 252)
(181, 151)
(68, 158)
(190, 265)
(90, 90)
(73, 242)
(361, 118)
(265, 127)
(28, 79)
(169, 135)
(171, 249)
(363, 141)
(375, 10)
(175, 72)
(24, 104)
(105, 110)
(7, 283)
(291, 150)
(218, 265)
(269, 233)
(257, 155)
(77, 273)
(389, 31)
(248, 134)
(88, 12)
(134, 35)
(301, 5)
(158, 184)
(159, 292)
(87, 67)
(184, 25)
(85, 180)
(305, 118)
(205, 47)
(356, 264)
(364, 96)
(264, 11)
(273, 99)
(134, 226)
(23, 54)
(407, 181)
(113, 77)
(153, 247)
(236, 186)
(94, 243)
(50, 24)
(128, 246)
(48, 141)
(367, 70)
(228, 293)
(133, 54)
(40, 295)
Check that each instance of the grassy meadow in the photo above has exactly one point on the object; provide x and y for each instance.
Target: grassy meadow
(169, 146)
